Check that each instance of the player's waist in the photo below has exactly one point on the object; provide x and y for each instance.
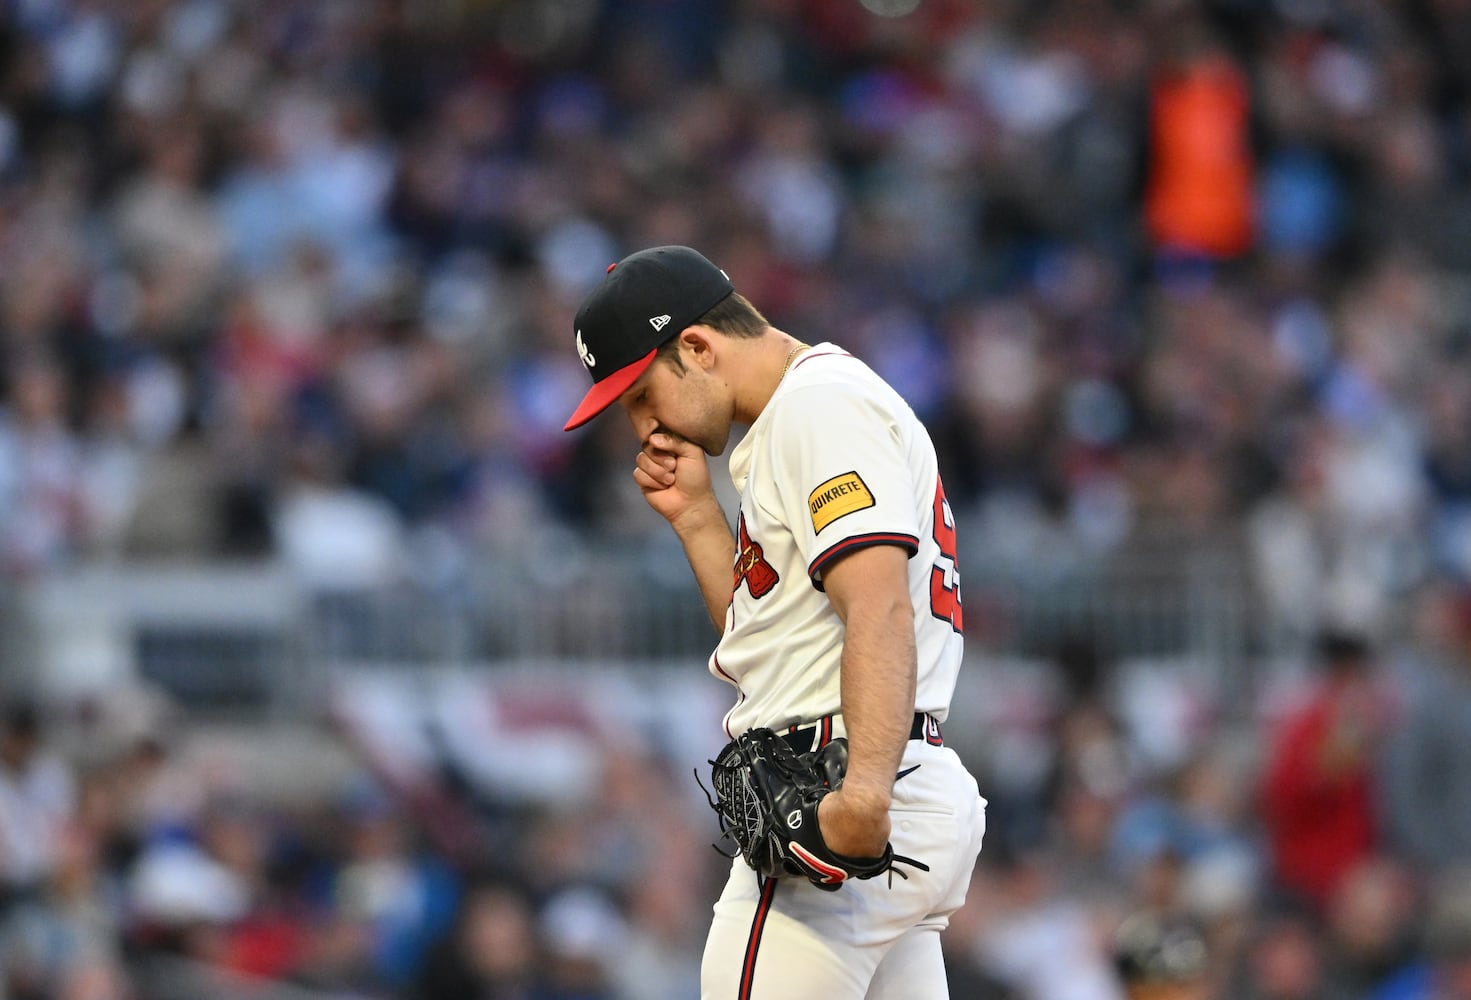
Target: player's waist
(813, 735)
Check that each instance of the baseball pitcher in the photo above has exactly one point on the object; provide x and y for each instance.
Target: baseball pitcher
(853, 827)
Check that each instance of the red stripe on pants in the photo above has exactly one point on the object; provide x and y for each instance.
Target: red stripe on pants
(753, 943)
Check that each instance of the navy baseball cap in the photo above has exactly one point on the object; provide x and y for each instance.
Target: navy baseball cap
(647, 298)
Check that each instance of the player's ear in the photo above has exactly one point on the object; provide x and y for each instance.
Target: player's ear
(698, 346)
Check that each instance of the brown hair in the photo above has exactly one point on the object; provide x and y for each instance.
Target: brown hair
(733, 316)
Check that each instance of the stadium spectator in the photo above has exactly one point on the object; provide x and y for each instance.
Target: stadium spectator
(1318, 807)
(1161, 958)
(490, 954)
(1284, 960)
(1425, 788)
(1372, 926)
(37, 803)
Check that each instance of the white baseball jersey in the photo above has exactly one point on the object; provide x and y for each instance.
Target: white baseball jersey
(836, 461)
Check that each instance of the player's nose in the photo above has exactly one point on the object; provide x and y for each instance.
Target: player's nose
(643, 422)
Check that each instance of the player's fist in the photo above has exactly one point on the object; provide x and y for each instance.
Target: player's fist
(854, 824)
(674, 477)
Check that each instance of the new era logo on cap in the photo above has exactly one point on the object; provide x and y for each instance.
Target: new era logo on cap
(645, 299)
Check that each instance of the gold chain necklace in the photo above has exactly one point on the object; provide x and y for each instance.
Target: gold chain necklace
(790, 355)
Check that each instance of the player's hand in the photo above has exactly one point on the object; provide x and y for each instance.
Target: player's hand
(674, 477)
(853, 823)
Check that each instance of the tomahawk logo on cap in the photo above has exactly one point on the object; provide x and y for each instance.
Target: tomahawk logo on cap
(646, 299)
(583, 353)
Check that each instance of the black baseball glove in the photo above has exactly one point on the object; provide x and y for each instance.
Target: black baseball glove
(766, 795)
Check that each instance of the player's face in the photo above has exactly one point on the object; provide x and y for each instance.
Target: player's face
(684, 403)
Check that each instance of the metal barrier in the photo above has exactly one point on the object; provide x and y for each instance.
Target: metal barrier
(1194, 607)
(219, 636)
(250, 639)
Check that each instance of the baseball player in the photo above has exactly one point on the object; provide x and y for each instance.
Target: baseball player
(837, 596)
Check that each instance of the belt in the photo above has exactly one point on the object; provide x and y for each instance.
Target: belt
(815, 735)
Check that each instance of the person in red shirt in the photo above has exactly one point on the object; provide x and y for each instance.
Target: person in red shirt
(1318, 800)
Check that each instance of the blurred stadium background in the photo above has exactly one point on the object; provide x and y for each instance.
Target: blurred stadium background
(332, 668)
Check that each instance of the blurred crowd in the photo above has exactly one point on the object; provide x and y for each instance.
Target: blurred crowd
(1316, 846)
(296, 278)
(138, 869)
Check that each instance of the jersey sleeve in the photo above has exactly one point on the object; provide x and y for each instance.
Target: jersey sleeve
(844, 480)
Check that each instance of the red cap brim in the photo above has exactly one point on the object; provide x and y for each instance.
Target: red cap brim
(605, 392)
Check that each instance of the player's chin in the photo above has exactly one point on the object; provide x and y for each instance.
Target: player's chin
(716, 439)
(710, 442)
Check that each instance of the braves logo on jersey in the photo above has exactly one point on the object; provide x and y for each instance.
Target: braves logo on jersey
(751, 566)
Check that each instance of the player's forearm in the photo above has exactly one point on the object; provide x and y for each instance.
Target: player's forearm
(878, 685)
(710, 548)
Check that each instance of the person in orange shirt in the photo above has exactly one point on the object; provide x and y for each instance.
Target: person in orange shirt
(1199, 196)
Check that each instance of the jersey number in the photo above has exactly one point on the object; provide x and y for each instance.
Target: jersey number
(945, 575)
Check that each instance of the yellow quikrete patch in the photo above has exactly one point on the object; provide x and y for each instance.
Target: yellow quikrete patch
(838, 496)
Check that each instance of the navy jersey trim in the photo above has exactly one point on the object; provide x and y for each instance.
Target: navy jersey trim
(851, 544)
